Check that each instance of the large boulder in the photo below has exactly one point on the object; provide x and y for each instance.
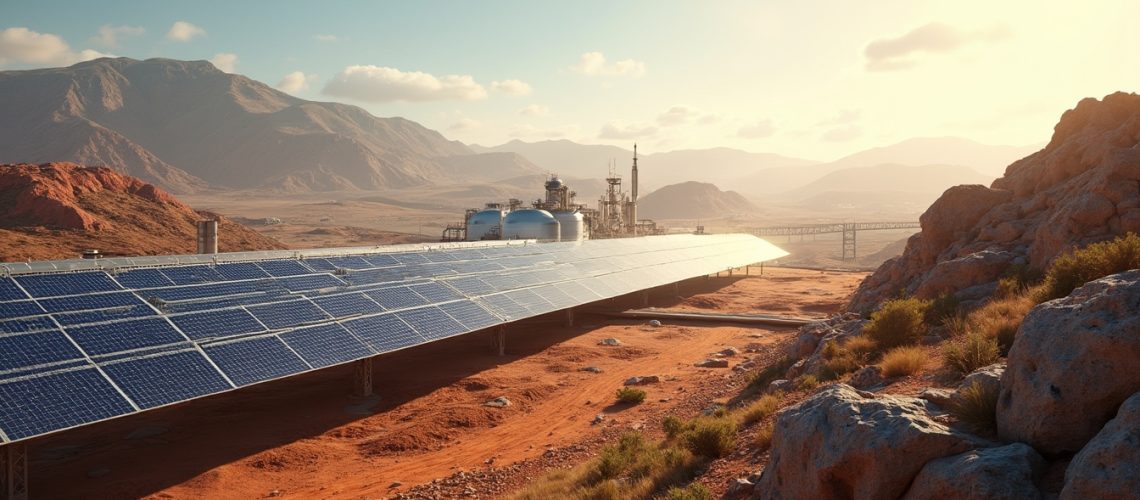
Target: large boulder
(1007, 472)
(843, 443)
(1109, 466)
(1072, 364)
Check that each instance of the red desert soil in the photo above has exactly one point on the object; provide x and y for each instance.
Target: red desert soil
(428, 430)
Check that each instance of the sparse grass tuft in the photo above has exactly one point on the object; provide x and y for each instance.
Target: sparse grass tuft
(999, 319)
(969, 353)
(694, 491)
(711, 437)
(805, 383)
(672, 426)
(760, 409)
(837, 361)
(764, 437)
(772, 372)
(977, 408)
(941, 309)
(902, 361)
(630, 395)
(898, 322)
(1073, 269)
(862, 347)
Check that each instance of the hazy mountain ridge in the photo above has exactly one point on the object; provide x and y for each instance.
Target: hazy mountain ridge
(186, 125)
(693, 199)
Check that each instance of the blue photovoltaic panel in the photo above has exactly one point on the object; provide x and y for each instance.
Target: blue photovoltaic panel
(352, 262)
(374, 276)
(226, 303)
(54, 285)
(9, 290)
(384, 333)
(167, 378)
(505, 307)
(410, 258)
(84, 317)
(320, 265)
(471, 286)
(194, 292)
(19, 309)
(555, 295)
(89, 302)
(432, 322)
(34, 406)
(398, 297)
(240, 271)
(327, 345)
(435, 292)
(280, 268)
(382, 260)
(27, 325)
(470, 314)
(142, 278)
(20, 351)
(107, 338)
(531, 301)
(222, 323)
(348, 304)
(192, 275)
(578, 292)
(287, 314)
(249, 361)
(311, 282)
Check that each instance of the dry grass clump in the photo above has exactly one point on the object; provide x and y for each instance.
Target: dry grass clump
(977, 408)
(711, 437)
(672, 426)
(1000, 318)
(630, 395)
(764, 437)
(862, 347)
(966, 354)
(898, 322)
(941, 309)
(1073, 269)
(694, 491)
(760, 409)
(837, 361)
(902, 361)
(805, 383)
(771, 372)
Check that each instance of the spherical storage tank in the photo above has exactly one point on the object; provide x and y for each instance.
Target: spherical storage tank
(530, 224)
(485, 224)
(571, 225)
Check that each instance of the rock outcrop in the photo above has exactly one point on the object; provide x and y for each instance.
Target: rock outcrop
(1007, 472)
(1072, 364)
(843, 443)
(1083, 187)
(56, 210)
(1109, 465)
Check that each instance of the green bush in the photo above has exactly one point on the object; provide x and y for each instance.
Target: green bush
(630, 395)
(614, 460)
(672, 426)
(971, 352)
(977, 408)
(1073, 269)
(837, 361)
(941, 309)
(711, 437)
(694, 491)
(898, 322)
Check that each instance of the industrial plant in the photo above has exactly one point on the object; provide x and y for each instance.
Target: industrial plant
(556, 216)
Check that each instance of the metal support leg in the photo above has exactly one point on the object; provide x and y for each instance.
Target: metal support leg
(645, 298)
(677, 289)
(362, 378)
(14, 472)
(501, 341)
(748, 270)
(570, 317)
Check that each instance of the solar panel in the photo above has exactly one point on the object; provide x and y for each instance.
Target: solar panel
(254, 360)
(282, 313)
(167, 378)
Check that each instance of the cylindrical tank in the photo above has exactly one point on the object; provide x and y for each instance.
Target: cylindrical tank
(530, 224)
(207, 236)
(485, 224)
(571, 225)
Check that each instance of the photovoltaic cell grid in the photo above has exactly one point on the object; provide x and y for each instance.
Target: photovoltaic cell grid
(80, 347)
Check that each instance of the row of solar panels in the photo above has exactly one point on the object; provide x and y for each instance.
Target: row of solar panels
(77, 348)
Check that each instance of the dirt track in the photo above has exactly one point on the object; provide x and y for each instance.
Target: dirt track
(306, 437)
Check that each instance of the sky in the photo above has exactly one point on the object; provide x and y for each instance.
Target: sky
(814, 79)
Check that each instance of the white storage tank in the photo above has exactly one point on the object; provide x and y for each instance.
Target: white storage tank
(572, 225)
(485, 224)
(530, 224)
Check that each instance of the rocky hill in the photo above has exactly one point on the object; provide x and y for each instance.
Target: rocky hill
(185, 125)
(57, 210)
(691, 200)
(1081, 188)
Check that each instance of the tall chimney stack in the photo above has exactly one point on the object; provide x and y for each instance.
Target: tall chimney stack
(207, 236)
(633, 192)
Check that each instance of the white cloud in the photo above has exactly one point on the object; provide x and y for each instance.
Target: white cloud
(183, 31)
(464, 125)
(594, 64)
(109, 35)
(758, 130)
(24, 46)
(384, 84)
(844, 117)
(676, 115)
(891, 54)
(528, 131)
(617, 131)
(511, 87)
(326, 38)
(225, 61)
(534, 110)
(843, 134)
(296, 81)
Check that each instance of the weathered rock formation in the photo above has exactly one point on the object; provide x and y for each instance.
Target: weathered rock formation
(1007, 472)
(56, 210)
(1082, 188)
(1072, 364)
(1109, 466)
(843, 443)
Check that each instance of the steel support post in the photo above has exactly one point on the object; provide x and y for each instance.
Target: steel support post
(501, 341)
(362, 378)
(570, 317)
(14, 472)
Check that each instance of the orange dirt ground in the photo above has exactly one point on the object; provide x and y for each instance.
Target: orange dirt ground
(307, 437)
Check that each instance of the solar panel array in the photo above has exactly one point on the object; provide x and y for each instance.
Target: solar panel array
(80, 347)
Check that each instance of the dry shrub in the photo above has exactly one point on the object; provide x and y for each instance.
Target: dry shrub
(764, 437)
(902, 361)
(999, 319)
(941, 309)
(1073, 269)
(971, 352)
(760, 409)
(862, 347)
(672, 426)
(711, 437)
(898, 322)
(805, 383)
(977, 408)
(694, 491)
(837, 361)
(630, 395)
